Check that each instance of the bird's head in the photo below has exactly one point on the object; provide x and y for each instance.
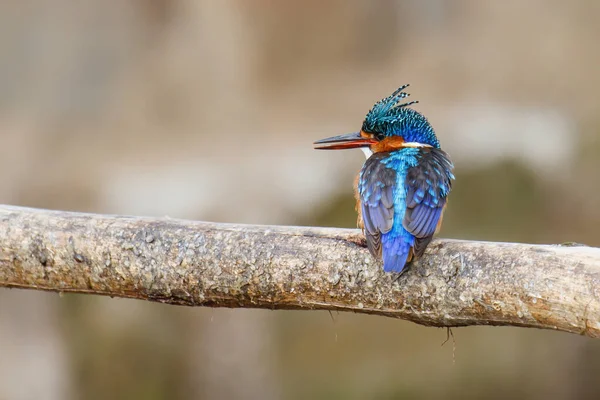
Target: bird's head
(388, 126)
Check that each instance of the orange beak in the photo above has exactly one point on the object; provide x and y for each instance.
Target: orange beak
(341, 142)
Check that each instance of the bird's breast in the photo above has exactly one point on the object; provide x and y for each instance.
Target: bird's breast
(358, 206)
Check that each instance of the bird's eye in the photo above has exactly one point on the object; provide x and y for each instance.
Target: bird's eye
(379, 136)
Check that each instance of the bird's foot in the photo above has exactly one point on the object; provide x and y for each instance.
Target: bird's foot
(359, 240)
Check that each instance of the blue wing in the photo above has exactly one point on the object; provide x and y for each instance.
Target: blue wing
(376, 186)
(427, 187)
(400, 218)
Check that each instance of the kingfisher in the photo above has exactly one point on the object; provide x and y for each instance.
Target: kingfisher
(402, 189)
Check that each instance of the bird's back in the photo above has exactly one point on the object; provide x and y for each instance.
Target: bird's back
(402, 196)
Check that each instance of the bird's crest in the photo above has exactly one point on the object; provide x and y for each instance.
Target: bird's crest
(391, 117)
(387, 111)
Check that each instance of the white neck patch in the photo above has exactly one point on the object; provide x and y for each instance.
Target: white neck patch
(415, 144)
(367, 151)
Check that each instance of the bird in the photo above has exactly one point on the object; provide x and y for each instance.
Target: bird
(402, 188)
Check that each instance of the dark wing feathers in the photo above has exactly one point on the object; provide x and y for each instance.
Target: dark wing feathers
(420, 245)
(427, 187)
(376, 188)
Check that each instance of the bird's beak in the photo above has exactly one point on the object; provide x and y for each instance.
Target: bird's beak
(347, 141)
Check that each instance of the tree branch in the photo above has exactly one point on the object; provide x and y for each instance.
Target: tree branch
(457, 283)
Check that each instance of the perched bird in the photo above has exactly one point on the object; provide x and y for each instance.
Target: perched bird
(402, 189)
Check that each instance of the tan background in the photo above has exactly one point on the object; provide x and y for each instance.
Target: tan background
(207, 110)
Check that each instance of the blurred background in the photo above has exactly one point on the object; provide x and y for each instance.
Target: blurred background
(207, 109)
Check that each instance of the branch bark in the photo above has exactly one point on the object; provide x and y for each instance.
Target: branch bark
(457, 283)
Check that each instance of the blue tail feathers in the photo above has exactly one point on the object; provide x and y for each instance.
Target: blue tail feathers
(396, 248)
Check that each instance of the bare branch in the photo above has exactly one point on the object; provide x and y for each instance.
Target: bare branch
(457, 283)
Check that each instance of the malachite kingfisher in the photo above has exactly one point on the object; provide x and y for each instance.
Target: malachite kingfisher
(402, 189)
